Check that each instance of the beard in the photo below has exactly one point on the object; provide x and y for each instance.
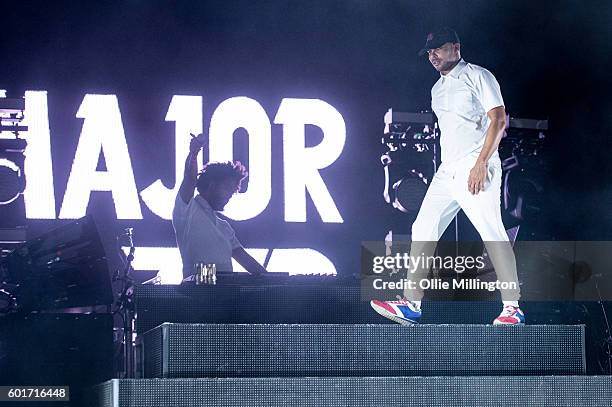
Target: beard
(445, 66)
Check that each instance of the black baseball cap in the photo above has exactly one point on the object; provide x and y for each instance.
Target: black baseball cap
(436, 39)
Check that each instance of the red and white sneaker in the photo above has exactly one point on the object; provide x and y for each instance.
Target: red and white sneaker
(510, 315)
(401, 311)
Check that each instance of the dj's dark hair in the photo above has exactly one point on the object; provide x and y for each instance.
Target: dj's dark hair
(218, 172)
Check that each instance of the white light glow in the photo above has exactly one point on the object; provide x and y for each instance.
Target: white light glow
(301, 261)
(167, 260)
(102, 133)
(39, 195)
(258, 254)
(294, 261)
(10, 164)
(243, 112)
(301, 164)
(186, 112)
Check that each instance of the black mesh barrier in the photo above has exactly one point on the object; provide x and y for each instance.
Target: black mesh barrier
(210, 350)
(469, 391)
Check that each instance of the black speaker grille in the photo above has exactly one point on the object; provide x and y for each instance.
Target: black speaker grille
(469, 391)
(210, 350)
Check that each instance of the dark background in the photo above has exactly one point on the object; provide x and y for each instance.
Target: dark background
(551, 59)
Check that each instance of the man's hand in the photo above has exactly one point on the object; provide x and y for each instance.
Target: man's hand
(477, 178)
(190, 175)
(478, 174)
(197, 143)
(495, 132)
(248, 262)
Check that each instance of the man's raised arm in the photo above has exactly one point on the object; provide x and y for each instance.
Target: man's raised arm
(190, 175)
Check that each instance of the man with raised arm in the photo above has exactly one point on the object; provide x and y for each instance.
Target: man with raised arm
(202, 236)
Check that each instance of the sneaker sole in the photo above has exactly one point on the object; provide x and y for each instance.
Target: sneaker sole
(394, 318)
(505, 323)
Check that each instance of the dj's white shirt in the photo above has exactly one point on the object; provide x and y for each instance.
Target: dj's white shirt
(202, 236)
(461, 100)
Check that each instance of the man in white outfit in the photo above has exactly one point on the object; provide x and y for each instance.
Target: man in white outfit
(468, 103)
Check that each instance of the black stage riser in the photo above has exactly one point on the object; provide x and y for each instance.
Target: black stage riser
(342, 304)
(209, 350)
(46, 349)
(56, 349)
(508, 391)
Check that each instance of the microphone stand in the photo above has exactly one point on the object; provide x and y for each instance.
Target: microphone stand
(125, 307)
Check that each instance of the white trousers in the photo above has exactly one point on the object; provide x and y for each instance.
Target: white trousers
(447, 194)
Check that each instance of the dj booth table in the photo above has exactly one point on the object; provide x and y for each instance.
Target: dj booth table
(246, 299)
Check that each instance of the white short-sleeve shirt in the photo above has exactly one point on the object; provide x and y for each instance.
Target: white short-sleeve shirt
(202, 236)
(461, 100)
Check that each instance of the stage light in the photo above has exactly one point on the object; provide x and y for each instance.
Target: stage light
(409, 192)
(12, 179)
(410, 161)
(12, 182)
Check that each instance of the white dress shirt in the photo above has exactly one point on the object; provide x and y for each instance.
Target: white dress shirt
(461, 100)
(202, 236)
